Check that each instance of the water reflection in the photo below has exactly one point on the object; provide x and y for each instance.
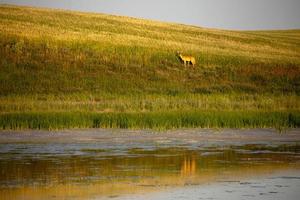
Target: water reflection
(188, 166)
(82, 172)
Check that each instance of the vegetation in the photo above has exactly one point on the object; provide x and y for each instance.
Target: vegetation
(62, 69)
(156, 120)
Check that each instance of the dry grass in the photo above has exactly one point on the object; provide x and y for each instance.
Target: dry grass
(62, 61)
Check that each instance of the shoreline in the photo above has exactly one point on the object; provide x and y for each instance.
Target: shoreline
(180, 136)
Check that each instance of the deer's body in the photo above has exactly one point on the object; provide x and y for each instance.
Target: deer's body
(187, 59)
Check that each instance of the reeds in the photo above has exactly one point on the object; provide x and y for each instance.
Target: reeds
(153, 120)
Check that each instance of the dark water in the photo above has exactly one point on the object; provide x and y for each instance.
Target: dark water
(91, 170)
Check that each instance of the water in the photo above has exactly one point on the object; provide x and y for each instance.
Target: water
(118, 164)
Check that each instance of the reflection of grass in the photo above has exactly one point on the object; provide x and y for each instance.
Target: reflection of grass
(156, 120)
(291, 148)
(54, 63)
(94, 150)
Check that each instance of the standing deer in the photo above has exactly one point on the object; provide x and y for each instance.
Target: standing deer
(187, 59)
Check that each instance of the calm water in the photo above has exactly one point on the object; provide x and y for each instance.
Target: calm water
(103, 167)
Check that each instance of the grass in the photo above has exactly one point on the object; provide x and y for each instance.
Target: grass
(63, 69)
(153, 120)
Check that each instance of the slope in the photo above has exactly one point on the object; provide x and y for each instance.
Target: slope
(56, 61)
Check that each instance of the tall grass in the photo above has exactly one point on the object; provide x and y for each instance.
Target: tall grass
(61, 69)
(152, 120)
(85, 102)
(50, 51)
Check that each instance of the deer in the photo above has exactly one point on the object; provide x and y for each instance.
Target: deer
(187, 59)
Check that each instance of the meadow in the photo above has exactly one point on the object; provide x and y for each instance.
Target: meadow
(66, 69)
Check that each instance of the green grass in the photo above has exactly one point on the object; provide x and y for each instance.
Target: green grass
(153, 120)
(62, 69)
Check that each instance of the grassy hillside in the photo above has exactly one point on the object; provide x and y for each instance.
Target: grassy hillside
(59, 65)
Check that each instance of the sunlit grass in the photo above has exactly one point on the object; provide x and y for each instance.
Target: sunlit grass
(151, 120)
(63, 62)
(104, 103)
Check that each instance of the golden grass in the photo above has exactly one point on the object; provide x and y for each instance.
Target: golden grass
(103, 63)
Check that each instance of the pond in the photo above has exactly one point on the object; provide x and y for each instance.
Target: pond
(123, 164)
